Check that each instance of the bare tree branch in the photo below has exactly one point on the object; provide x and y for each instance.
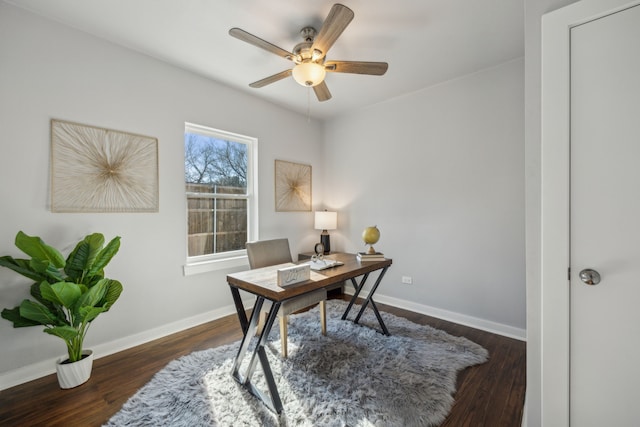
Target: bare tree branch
(215, 162)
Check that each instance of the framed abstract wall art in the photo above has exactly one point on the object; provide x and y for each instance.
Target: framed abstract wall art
(102, 170)
(292, 186)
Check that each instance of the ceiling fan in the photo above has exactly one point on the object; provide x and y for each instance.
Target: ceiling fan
(310, 55)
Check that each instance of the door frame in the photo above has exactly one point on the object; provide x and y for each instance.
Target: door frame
(555, 201)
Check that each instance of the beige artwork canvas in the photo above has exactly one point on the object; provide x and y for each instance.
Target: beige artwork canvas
(292, 186)
(102, 170)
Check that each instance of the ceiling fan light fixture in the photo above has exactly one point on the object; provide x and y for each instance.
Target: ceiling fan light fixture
(309, 74)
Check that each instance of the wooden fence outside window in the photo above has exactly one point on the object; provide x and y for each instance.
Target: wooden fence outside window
(215, 224)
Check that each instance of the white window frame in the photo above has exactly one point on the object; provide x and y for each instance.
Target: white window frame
(211, 262)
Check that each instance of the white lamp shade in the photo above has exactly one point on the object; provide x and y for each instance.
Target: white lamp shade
(309, 74)
(326, 220)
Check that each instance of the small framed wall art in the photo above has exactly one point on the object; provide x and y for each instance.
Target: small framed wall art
(102, 170)
(292, 187)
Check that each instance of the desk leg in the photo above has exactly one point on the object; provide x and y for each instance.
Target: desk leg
(369, 299)
(373, 304)
(242, 315)
(272, 400)
(357, 288)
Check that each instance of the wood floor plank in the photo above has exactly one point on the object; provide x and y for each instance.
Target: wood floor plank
(491, 394)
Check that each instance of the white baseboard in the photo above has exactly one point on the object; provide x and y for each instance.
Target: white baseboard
(462, 319)
(37, 370)
(26, 373)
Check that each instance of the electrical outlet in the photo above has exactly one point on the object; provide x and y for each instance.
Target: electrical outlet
(407, 280)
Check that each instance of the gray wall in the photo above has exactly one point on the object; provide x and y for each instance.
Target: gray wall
(440, 171)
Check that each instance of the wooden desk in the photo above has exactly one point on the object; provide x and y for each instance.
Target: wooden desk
(262, 283)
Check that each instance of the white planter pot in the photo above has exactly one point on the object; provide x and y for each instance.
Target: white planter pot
(73, 374)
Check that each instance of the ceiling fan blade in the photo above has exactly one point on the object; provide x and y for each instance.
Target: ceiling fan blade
(271, 79)
(257, 41)
(322, 92)
(339, 17)
(357, 67)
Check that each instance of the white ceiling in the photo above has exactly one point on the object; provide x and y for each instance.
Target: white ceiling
(425, 42)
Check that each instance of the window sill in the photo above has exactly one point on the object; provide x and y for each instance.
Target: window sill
(214, 265)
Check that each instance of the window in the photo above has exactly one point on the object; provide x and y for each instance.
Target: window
(219, 172)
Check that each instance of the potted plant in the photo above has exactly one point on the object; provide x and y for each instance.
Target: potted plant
(67, 295)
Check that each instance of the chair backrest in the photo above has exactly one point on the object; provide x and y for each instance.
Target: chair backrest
(264, 253)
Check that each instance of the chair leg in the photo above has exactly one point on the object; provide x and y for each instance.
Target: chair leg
(323, 317)
(283, 335)
(262, 319)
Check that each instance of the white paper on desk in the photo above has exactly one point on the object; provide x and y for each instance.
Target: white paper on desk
(323, 264)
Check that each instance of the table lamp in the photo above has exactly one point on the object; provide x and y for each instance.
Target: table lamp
(326, 221)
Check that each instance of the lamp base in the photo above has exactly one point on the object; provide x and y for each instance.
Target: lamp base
(326, 242)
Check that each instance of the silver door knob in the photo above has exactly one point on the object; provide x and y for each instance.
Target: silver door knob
(590, 277)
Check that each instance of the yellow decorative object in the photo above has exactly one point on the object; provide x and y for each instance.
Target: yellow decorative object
(371, 235)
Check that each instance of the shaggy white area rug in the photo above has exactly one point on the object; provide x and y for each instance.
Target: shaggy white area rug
(353, 376)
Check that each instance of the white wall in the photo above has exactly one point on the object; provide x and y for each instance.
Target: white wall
(51, 71)
(440, 172)
(534, 9)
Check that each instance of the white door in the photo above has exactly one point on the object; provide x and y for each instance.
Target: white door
(605, 221)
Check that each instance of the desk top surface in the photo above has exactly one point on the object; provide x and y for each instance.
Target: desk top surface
(263, 281)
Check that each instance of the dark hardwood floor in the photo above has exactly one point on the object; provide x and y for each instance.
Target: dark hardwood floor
(491, 394)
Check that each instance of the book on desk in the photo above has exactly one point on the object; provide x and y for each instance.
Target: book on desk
(365, 256)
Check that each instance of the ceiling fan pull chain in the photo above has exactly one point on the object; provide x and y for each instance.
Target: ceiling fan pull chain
(309, 105)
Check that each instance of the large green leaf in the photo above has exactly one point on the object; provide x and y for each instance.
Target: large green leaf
(13, 315)
(47, 269)
(65, 294)
(113, 293)
(96, 242)
(67, 333)
(38, 313)
(36, 248)
(37, 294)
(87, 314)
(77, 262)
(94, 295)
(91, 281)
(55, 309)
(21, 266)
(104, 256)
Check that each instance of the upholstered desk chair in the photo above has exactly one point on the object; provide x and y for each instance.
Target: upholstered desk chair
(264, 253)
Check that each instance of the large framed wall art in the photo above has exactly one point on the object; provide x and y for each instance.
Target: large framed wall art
(102, 170)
